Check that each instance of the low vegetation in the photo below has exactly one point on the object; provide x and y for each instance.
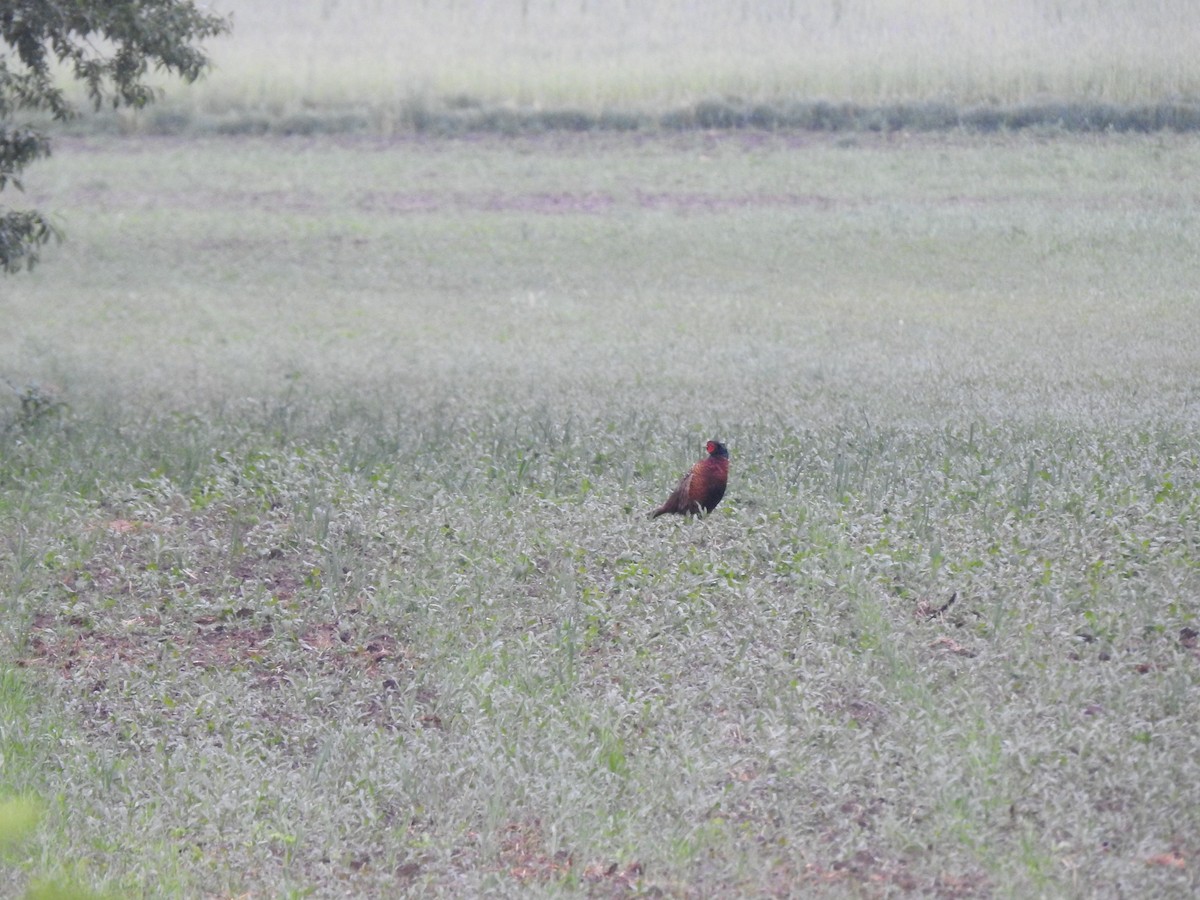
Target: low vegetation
(325, 560)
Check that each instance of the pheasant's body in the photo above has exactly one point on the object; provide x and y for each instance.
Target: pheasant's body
(702, 487)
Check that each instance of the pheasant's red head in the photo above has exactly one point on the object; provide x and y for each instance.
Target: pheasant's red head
(716, 448)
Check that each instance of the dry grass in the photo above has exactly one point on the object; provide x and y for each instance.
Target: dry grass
(383, 60)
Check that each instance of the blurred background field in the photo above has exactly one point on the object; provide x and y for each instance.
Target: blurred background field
(552, 64)
(1048, 265)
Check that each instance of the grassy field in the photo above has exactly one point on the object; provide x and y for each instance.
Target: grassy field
(392, 67)
(613, 53)
(324, 557)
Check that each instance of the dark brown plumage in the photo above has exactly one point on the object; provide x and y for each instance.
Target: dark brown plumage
(702, 487)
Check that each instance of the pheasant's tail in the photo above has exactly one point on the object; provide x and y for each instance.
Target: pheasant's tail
(677, 502)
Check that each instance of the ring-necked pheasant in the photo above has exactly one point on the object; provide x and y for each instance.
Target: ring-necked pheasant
(702, 487)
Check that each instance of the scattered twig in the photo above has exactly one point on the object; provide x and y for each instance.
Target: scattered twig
(927, 610)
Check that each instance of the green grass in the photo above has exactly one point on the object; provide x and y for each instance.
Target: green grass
(323, 543)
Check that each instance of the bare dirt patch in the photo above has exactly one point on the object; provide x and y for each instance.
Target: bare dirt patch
(525, 857)
(876, 876)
